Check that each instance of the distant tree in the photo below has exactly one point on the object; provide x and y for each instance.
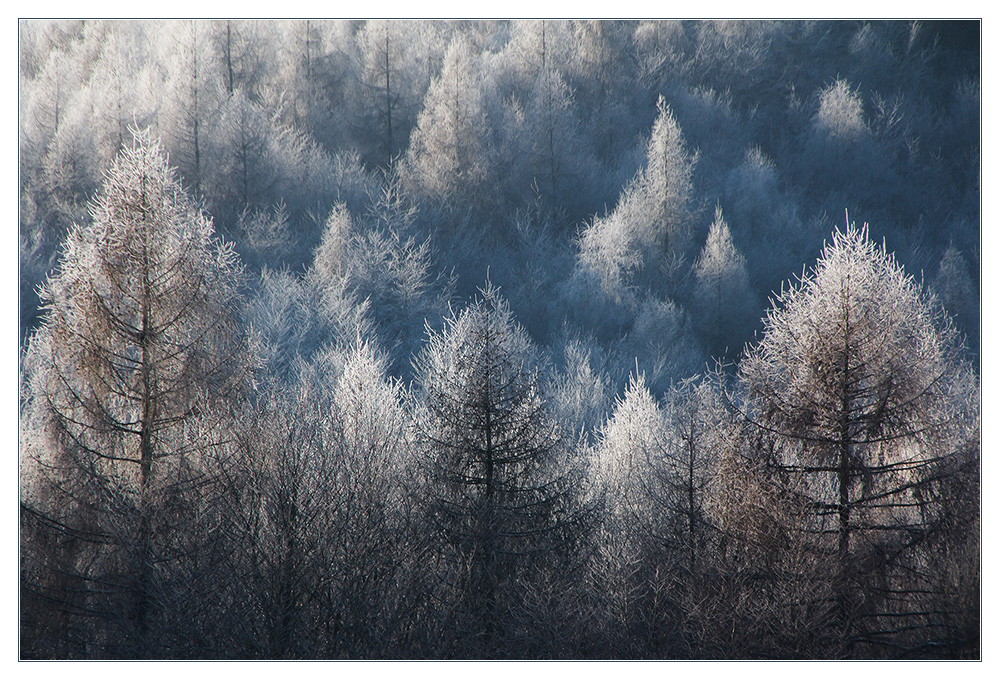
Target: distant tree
(43, 97)
(258, 163)
(447, 158)
(662, 340)
(303, 52)
(292, 322)
(122, 87)
(661, 194)
(393, 79)
(603, 84)
(840, 141)
(544, 138)
(580, 393)
(56, 172)
(725, 304)
(772, 235)
(953, 286)
(190, 98)
(662, 47)
(649, 229)
(373, 263)
(244, 171)
(536, 125)
(752, 188)
(840, 115)
(244, 53)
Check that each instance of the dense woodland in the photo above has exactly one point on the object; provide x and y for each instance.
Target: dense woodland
(490, 339)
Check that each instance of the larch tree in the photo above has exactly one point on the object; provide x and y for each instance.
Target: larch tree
(661, 194)
(448, 156)
(121, 87)
(536, 120)
(140, 340)
(371, 262)
(313, 513)
(840, 154)
(383, 79)
(191, 96)
(954, 287)
(650, 226)
(648, 479)
(242, 49)
(243, 172)
(501, 494)
(602, 85)
(859, 386)
(722, 289)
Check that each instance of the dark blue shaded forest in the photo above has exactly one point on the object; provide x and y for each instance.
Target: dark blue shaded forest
(499, 339)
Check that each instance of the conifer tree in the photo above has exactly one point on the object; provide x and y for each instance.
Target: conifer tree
(722, 289)
(140, 340)
(859, 387)
(501, 495)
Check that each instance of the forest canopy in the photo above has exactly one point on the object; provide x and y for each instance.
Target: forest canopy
(499, 339)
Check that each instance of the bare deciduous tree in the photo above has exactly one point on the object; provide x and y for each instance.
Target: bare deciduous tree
(140, 340)
(858, 383)
(502, 495)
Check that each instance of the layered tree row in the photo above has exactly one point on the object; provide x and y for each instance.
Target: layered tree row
(194, 485)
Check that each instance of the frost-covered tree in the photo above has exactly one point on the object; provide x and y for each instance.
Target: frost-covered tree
(139, 319)
(245, 52)
(381, 54)
(580, 393)
(631, 439)
(603, 84)
(858, 386)
(243, 169)
(292, 322)
(725, 304)
(501, 481)
(840, 115)
(317, 555)
(954, 288)
(139, 342)
(662, 340)
(372, 263)
(628, 544)
(448, 156)
(396, 63)
(752, 189)
(192, 94)
(660, 197)
(536, 125)
(649, 228)
(258, 163)
(122, 87)
(841, 161)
